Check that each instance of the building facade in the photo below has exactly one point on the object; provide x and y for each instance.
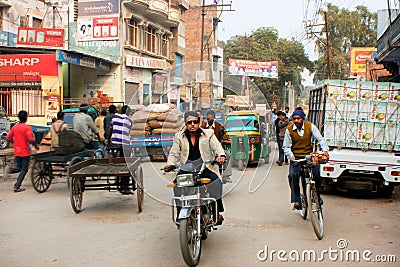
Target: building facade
(130, 51)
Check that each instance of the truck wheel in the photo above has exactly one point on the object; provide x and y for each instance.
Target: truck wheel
(386, 191)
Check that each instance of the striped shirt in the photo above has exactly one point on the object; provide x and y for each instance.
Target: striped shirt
(121, 125)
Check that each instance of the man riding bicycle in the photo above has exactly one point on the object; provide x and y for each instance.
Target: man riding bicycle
(193, 144)
(296, 145)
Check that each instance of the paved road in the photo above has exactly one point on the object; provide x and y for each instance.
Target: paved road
(42, 230)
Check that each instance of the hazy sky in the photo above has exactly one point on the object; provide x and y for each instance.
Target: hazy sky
(286, 16)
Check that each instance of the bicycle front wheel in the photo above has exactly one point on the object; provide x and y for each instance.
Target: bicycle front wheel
(315, 210)
(303, 198)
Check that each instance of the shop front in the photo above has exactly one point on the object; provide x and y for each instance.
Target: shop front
(88, 79)
(142, 75)
(30, 82)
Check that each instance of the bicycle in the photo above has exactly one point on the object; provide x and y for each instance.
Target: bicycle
(310, 199)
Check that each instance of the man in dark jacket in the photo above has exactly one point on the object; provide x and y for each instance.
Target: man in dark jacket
(107, 120)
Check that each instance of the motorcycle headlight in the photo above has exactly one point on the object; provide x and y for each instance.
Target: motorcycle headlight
(185, 180)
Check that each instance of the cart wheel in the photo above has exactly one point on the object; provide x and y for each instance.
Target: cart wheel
(240, 164)
(41, 176)
(73, 161)
(139, 187)
(76, 193)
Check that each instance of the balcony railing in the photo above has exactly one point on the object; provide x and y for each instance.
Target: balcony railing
(160, 7)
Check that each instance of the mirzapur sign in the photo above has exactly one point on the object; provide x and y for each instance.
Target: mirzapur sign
(358, 59)
(48, 37)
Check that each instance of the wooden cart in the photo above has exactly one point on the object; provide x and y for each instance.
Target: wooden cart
(47, 165)
(104, 174)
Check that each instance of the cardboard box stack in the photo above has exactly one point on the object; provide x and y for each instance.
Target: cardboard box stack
(362, 114)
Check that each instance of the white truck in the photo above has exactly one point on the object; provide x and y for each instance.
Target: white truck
(361, 125)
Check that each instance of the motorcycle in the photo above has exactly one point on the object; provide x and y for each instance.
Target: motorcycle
(198, 215)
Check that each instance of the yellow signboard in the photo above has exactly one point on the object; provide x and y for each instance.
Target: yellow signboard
(358, 59)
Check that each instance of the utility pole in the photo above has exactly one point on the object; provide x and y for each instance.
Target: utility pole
(328, 46)
(222, 7)
(203, 14)
(311, 33)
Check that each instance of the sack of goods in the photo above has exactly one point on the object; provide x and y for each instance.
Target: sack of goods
(157, 119)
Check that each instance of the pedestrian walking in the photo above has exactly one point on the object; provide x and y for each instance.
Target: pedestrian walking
(22, 136)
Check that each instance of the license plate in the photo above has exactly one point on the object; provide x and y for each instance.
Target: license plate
(192, 197)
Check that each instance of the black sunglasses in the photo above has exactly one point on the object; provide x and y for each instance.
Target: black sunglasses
(193, 122)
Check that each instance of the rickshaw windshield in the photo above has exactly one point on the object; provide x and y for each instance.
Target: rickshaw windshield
(242, 123)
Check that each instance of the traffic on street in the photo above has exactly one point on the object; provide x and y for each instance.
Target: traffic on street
(260, 226)
(199, 133)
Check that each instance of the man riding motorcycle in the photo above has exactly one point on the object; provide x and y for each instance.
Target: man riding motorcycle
(193, 144)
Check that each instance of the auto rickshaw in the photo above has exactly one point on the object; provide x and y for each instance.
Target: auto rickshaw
(246, 138)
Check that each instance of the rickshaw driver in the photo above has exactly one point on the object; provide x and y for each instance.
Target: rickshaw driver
(195, 144)
(219, 132)
(296, 145)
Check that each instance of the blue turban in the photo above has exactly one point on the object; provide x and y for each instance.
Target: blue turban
(299, 113)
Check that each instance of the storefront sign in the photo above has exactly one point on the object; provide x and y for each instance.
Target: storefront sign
(98, 8)
(20, 83)
(88, 62)
(147, 63)
(48, 37)
(105, 28)
(159, 84)
(29, 65)
(358, 59)
(108, 50)
(77, 59)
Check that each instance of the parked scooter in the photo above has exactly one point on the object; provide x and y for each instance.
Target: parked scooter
(197, 216)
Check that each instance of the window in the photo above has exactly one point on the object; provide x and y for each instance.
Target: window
(36, 23)
(150, 39)
(133, 33)
(23, 21)
(178, 63)
(1, 18)
(165, 45)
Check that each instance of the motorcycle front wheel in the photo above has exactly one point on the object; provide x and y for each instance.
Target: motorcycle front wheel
(190, 240)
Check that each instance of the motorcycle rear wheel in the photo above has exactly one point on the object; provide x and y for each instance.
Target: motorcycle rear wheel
(190, 240)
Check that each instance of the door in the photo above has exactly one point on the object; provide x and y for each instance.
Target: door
(131, 93)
